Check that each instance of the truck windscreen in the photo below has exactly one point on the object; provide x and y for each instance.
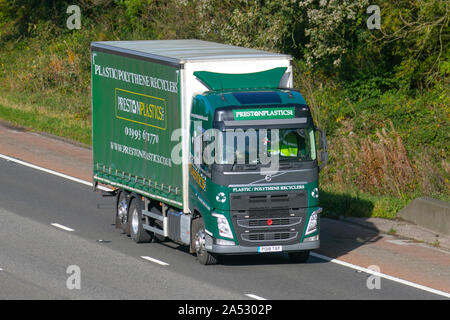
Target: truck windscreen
(249, 146)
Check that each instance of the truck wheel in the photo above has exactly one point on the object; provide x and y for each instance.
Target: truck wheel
(299, 257)
(199, 235)
(137, 231)
(122, 211)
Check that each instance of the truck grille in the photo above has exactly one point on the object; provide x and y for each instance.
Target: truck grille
(269, 236)
(264, 219)
(269, 222)
(263, 201)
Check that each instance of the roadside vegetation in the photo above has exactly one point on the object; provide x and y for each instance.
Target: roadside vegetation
(382, 95)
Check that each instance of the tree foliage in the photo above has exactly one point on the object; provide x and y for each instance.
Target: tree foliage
(355, 79)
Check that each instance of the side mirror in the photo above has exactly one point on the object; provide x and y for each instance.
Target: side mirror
(323, 149)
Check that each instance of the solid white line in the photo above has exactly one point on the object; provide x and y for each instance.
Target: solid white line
(155, 260)
(381, 275)
(254, 296)
(62, 175)
(57, 225)
(400, 242)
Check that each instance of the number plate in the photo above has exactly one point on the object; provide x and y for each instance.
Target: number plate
(270, 249)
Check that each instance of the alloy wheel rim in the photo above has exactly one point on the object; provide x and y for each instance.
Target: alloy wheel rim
(122, 211)
(200, 241)
(135, 221)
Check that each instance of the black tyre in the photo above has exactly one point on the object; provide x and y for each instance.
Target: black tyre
(122, 211)
(136, 222)
(299, 257)
(198, 243)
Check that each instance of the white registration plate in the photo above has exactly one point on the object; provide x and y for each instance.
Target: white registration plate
(270, 249)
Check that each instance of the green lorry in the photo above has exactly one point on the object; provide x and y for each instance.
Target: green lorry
(207, 145)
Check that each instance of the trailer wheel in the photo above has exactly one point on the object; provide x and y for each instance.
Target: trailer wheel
(299, 257)
(137, 231)
(122, 211)
(199, 235)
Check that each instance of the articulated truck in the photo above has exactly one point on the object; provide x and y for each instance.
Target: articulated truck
(207, 145)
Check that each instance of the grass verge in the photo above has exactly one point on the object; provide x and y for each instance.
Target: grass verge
(337, 203)
(61, 125)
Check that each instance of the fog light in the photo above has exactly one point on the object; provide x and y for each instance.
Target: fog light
(313, 238)
(222, 242)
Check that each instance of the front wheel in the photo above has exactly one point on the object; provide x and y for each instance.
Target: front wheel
(199, 240)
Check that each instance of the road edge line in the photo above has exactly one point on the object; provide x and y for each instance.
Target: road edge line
(381, 275)
(56, 173)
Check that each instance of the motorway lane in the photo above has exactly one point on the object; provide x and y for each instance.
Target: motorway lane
(34, 255)
(37, 257)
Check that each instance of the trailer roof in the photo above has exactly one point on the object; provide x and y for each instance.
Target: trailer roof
(181, 51)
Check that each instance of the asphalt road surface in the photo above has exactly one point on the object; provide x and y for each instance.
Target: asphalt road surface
(53, 230)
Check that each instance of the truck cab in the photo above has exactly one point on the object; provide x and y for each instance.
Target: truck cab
(254, 168)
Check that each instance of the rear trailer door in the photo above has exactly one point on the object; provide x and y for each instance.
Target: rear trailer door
(135, 110)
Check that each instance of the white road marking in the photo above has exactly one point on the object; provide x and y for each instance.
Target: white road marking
(381, 275)
(400, 242)
(57, 225)
(155, 260)
(343, 263)
(254, 296)
(55, 173)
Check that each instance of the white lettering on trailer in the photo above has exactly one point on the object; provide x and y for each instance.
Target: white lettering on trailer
(135, 78)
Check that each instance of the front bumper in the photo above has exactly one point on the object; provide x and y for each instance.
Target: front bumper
(220, 249)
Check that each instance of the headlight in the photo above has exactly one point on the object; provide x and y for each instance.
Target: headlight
(312, 224)
(313, 238)
(223, 225)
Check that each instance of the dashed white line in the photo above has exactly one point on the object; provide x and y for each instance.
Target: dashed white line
(60, 226)
(155, 260)
(381, 275)
(254, 296)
